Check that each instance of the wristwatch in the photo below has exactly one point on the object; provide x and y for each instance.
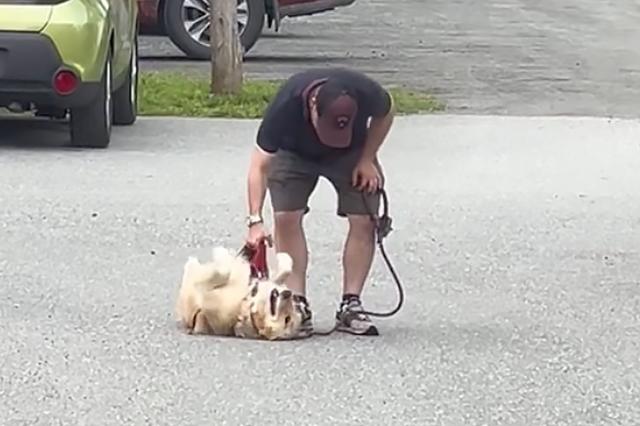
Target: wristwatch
(253, 219)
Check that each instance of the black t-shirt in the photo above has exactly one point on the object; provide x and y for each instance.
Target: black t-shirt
(285, 126)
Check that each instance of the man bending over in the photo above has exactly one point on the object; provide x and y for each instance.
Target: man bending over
(322, 122)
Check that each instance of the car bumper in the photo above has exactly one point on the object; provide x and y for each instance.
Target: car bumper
(28, 64)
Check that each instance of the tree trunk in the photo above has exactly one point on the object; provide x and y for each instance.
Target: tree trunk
(226, 50)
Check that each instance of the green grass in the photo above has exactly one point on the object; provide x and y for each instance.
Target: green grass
(164, 93)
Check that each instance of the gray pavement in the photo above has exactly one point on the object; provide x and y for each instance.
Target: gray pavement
(516, 239)
(513, 57)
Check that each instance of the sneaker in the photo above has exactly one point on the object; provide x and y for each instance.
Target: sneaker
(306, 328)
(350, 319)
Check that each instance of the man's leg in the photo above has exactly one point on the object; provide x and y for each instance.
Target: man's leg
(290, 238)
(358, 253)
(290, 182)
(357, 259)
(359, 247)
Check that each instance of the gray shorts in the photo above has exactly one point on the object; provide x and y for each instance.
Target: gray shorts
(292, 179)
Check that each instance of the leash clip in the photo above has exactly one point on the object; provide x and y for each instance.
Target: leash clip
(384, 223)
(385, 226)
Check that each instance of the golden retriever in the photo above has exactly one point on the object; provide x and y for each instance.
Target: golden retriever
(220, 297)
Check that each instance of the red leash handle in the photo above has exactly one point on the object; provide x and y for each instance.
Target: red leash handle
(259, 268)
(256, 255)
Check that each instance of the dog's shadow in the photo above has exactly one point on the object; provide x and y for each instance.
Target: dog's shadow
(389, 333)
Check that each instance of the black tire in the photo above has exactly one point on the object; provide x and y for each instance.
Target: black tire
(125, 98)
(91, 124)
(178, 34)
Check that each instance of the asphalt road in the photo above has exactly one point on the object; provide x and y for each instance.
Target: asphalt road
(514, 57)
(516, 239)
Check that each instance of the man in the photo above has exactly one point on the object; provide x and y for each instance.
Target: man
(330, 123)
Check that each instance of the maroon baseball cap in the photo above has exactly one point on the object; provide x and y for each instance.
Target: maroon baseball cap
(337, 110)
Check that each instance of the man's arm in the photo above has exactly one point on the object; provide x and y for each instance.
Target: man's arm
(381, 108)
(257, 179)
(267, 138)
(379, 128)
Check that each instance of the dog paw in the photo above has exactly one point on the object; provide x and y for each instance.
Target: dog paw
(219, 253)
(285, 267)
(191, 262)
(190, 267)
(284, 261)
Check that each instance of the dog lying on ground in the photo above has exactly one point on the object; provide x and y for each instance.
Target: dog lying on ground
(220, 297)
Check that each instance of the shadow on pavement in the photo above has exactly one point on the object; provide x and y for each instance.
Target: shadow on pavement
(284, 59)
(169, 58)
(29, 133)
(280, 59)
(293, 36)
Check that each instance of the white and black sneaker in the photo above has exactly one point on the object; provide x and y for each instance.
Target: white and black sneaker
(351, 319)
(306, 328)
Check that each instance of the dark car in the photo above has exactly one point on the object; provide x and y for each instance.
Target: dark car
(186, 22)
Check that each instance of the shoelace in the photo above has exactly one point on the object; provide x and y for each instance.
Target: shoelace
(355, 309)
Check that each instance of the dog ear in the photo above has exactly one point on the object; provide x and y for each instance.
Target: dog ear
(258, 318)
(254, 289)
(285, 266)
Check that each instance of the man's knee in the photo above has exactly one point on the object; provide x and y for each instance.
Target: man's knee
(288, 221)
(361, 225)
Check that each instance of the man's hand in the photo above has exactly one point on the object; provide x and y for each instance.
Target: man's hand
(256, 235)
(366, 176)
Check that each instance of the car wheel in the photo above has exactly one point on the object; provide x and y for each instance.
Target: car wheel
(91, 124)
(187, 23)
(125, 99)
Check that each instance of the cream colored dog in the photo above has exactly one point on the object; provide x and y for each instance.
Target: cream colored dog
(220, 297)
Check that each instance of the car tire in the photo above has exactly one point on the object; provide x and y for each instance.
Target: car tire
(125, 98)
(91, 124)
(179, 35)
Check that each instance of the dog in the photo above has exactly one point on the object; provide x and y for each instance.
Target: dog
(220, 297)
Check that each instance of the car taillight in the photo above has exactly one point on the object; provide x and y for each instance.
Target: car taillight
(65, 82)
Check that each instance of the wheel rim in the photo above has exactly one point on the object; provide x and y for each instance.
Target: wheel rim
(134, 75)
(196, 18)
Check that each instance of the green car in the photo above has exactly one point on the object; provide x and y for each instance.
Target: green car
(75, 59)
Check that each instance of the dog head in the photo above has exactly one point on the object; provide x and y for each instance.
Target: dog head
(272, 313)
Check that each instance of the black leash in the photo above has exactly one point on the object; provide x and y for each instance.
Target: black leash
(383, 229)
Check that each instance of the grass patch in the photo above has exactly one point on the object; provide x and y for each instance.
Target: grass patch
(164, 93)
